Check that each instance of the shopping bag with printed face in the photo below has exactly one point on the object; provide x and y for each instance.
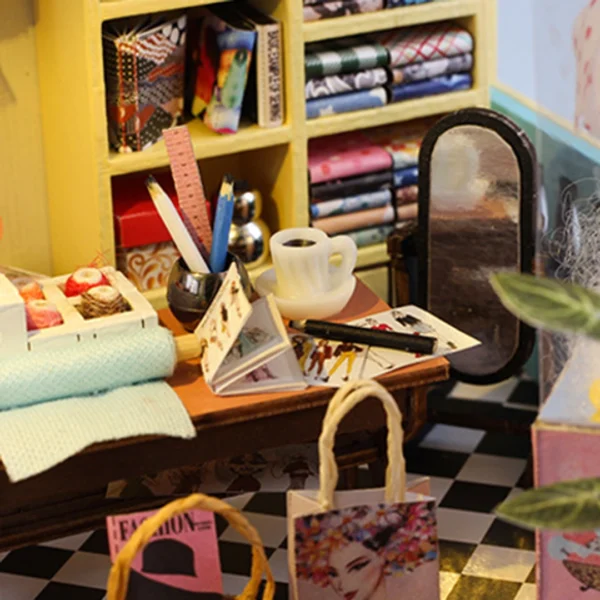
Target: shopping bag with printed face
(372, 544)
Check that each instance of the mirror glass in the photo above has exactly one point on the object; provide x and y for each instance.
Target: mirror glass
(474, 209)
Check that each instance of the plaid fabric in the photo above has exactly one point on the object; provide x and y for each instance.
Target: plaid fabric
(340, 8)
(430, 87)
(432, 68)
(343, 56)
(419, 44)
(341, 206)
(351, 186)
(333, 105)
(345, 83)
(144, 67)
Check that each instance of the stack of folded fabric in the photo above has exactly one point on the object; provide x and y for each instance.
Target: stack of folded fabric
(364, 182)
(315, 10)
(428, 60)
(345, 75)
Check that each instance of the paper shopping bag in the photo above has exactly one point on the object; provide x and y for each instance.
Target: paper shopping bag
(122, 579)
(362, 544)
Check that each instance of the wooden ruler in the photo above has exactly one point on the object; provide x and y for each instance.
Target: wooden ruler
(188, 183)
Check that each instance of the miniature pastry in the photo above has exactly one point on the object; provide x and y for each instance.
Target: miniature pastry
(42, 314)
(83, 280)
(102, 301)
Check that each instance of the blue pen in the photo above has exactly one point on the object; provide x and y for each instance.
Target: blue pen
(222, 225)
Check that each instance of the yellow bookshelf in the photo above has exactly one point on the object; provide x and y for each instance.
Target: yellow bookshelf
(80, 165)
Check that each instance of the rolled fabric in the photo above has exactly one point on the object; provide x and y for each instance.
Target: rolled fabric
(341, 206)
(405, 177)
(351, 186)
(339, 8)
(356, 220)
(428, 42)
(345, 83)
(333, 105)
(370, 235)
(428, 69)
(344, 55)
(407, 195)
(87, 367)
(407, 212)
(431, 87)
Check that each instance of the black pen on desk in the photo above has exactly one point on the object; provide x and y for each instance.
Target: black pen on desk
(415, 344)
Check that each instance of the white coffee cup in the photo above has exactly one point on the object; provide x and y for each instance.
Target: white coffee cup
(301, 257)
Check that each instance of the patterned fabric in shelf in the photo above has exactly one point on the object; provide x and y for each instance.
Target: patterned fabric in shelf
(351, 186)
(412, 62)
(144, 74)
(340, 8)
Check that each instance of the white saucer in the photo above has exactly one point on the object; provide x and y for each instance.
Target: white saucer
(326, 305)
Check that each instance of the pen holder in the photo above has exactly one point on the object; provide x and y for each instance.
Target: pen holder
(189, 294)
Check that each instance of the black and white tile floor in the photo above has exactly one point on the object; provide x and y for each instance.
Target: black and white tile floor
(471, 472)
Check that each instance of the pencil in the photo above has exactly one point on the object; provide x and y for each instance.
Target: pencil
(395, 340)
(179, 233)
(222, 225)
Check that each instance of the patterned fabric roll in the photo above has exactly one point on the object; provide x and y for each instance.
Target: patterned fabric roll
(407, 195)
(355, 220)
(333, 105)
(342, 206)
(419, 44)
(340, 8)
(432, 68)
(371, 235)
(431, 87)
(397, 3)
(344, 155)
(345, 55)
(351, 186)
(406, 177)
(345, 83)
(407, 212)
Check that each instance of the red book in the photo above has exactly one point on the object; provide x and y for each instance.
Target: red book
(136, 221)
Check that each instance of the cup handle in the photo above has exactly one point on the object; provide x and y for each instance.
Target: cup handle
(344, 245)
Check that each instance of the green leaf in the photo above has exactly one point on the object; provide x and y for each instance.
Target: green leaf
(565, 506)
(549, 303)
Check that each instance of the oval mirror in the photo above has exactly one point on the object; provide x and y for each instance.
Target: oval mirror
(477, 202)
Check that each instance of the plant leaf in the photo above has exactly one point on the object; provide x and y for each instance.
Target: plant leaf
(549, 303)
(564, 506)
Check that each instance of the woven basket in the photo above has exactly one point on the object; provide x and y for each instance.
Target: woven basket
(118, 579)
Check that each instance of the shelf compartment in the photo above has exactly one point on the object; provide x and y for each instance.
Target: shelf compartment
(116, 9)
(396, 112)
(404, 16)
(207, 144)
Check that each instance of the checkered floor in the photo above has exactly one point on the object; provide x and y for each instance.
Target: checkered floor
(471, 472)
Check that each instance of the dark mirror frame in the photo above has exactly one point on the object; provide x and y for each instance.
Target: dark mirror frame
(526, 158)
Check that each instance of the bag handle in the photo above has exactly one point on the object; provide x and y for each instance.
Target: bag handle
(345, 399)
(118, 579)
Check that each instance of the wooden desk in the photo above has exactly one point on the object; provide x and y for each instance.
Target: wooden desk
(70, 497)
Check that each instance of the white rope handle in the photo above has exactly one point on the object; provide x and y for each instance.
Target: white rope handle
(346, 398)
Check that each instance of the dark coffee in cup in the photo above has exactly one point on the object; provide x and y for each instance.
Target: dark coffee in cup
(299, 243)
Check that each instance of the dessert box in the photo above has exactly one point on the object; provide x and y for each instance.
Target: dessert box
(75, 328)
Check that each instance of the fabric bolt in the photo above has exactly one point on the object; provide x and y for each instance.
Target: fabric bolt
(406, 177)
(356, 220)
(345, 55)
(407, 46)
(344, 155)
(36, 438)
(351, 186)
(432, 68)
(407, 212)
(87, 367)
(340, 8)
(407, 195)
(371, 235)
(334, 105)
(431, 87)
(345, 83)
(350, 204)
(397, 3)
